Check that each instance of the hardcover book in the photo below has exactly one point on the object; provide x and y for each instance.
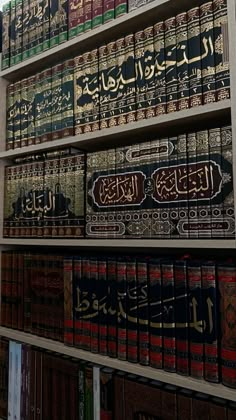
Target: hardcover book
(25, 29)
(159, 58)
(13, 33)
(181, 62)
(67, 105)
(10, 117)
(54, 22)
(194, 57)
(132, 310)
(63, 17)
(6, 22)
(88, 4)
(149, 71)
(143, 311)
(56, 97)
(171, 66)
(155, 313)
(46, 25)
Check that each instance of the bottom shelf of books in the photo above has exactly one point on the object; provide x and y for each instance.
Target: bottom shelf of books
(53, 385)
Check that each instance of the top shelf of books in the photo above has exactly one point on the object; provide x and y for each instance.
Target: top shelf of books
(127, 23)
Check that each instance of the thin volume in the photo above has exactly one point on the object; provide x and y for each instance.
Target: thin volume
(169, 317)
(112, 311)
(97, 13)
(68, 300)
(108, 10)
(182, 225)
(139, 71)
(192, 227)
(132, 310)
(121, 95)
(91, 108)
(78, 285)
(67, 105)
(17, 115)
(12, 32)
(143, 311)
(149, 72)
(78, 224)
(221, 44)
(130, 75)
(102, 294)
(103, 66)
(46, 104)
(208, 60)
(160, 72)
(56, 96)
(121, 309)
(182, 62)
(10, 117)
(86, 276)
(216, 210)
(95, 287)
(194, 58)
(7, 212)
(227, 287)
(31, 93)
(170, 65)
(196, 330)
(25, 30)
(155, 313)
(89, 391)
(73, 11)
(79, 96)
(112, 70)
(96, 393)
(24, 112)
(18, 31)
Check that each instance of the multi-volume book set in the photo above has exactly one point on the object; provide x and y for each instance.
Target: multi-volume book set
(175, 64)
(173, 187)
(30, 27)
(37, 384)
(168, 313)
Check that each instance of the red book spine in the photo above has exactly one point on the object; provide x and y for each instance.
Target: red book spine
(20, 317)
(14, 290)
(77, 293)
(143, 312)
(95, 287)
(155, 314)
(227, 286)
(68, 301)
(121, 310)
(112, 313)
(88, 15)
(103, 292)
(132, 311)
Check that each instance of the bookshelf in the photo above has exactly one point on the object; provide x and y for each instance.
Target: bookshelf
(138, 131)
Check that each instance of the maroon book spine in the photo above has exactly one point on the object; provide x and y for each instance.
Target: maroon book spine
(20, 317)
(68, 301)
(201, 407)
(106, 393)
(86, 331)
(8, 288)
(14, 290)
(28, 382)
(155, 314)
(169, 402)
(102, 296)
(121, 310)
(95, 283)
(55, 388)
(218, 409)
(143, 311)
(47, 386)
(3, 288)
(132, 311)
(184, 403)
(33, 385)
(227, 286)
(78, 323)
(112, 312)
(39, 384)
(168, 308)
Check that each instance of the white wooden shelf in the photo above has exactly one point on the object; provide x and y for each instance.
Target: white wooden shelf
(137, 131)
(138, 243)
(217, 390)
(130, 22)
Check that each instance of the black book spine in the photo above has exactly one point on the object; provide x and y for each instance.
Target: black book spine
(143, 311)
(182, 62)
(159, 61)
(194, 57)
(132, 311)
(155, 313)
(121, 309)
(171, 66)
(139, 72)
(149, 73)
(112, 311)
(168, 309)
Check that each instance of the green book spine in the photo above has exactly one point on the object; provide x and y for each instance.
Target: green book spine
(38, 106)
(13, 33)
(109, 10)
(25, 29)
(171, 67)
(19, 31)
(159, 58)
(130, 75)
(121, 87)
(120, 7)
(88, 15)
(34, 24)
(51, 182)
(63, 30)
(39, 28)
(6, 21)
(10, 117)
(24, 112)
(17, 115)
(194, 57)
(149, 73)
(140, 80)
(46, 26)
(97, 13)
(182, 63)
(54, 23)
(74, 5)
(103, 66)
(67, 105)
(208, 52)
(56, 101)
(221, 43)
(80, 18)
(46, 106)
(31, 93)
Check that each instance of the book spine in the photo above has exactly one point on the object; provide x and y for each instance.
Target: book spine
(17, 380)
(13, 33)
(33, 385)
(94, 285)
(159, 58)
(24, 112)
(155, 313)
(218, 409)
(169, 402)
(221, 42)
(63, 30)
(196, 330)
(132, 311)
(17, 115)
(192, 214)
(94, 83)
(88, 392)
(182, 63)
(97, 13)
(171, 67)
(96, 393)
(143, 312)
(130, 75)
(168, 308)
(46, 25)
(184, 403)
(182, 318)
(4, 377)
(8, 289)
(39, 28)
(80, 18)
(67, 106)
(88, 4)
(231, 412)
(20, 291)
(140, 80)
(103, 67)
(56, 111)
(102, 292)
(119, 390)
(227, 281)
(77, 295)
(112, 315)
(39, 385)
(10, 117)
(106, 392)
(14, 290)
(25, 30)
(121, 309)
(46, 120)
(112, 94)
(6, 22)
(79, 99)
(34, 23)
(194, 57)
(200, 406)
(120, 8)
(11, 380)
(108, 10)
(38, 110)
(54, 23)
(149, 72)
(81, 399)
(19, 31)
(7, 211)
(27, 293)
(31, 99)
(211, 333)
(68, 301)
(73, 6)
(3, 288)
(208, 60)
(227, 159)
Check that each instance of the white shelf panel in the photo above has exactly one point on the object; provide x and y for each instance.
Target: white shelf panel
(130, 22)
(137, 131)
(122, 243)
(217, 390)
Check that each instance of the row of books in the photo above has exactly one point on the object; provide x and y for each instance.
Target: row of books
(43, 385)
(176, 64)
(171, 314)
(30, 27)
(176, 187)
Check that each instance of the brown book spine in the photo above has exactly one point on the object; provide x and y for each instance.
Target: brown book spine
(169, 402)
(14, 290)
(20, 291)
(231, 412)
(119, 392)
(143, 312)
(8, 289)
(27, 292)
(218, 409)
(68, 301)
(184, 403)
(39, 384)
(201, 407)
